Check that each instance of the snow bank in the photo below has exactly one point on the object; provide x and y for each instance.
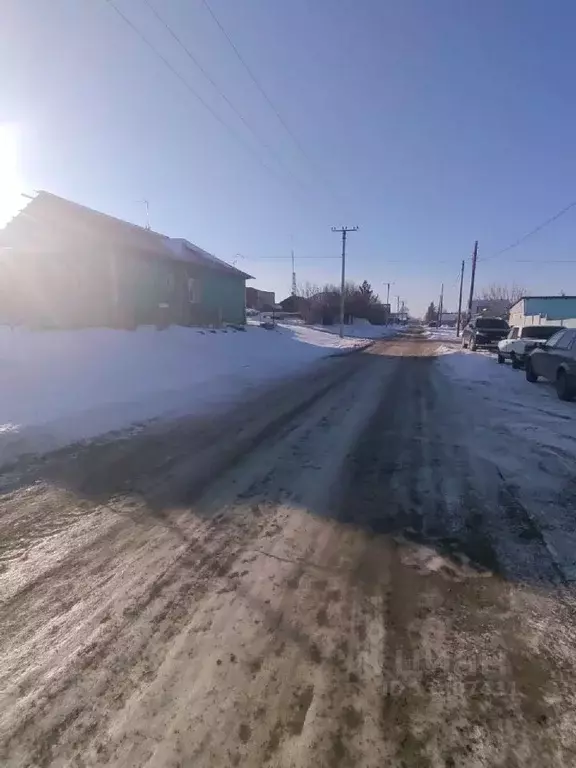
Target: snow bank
(360, 331)
(529, 434)
(442, 334)
(57, 387)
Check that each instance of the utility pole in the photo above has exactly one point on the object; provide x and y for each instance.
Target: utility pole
(441, 306)
(460, 300)
(388, 301)
(388, 292)
(472, 279)
(344, 231)
(397, 306)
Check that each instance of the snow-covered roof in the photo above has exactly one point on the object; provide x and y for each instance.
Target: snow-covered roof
(184, 250)
(75, 221)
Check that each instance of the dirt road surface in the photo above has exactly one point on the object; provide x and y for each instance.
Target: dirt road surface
(336, 573)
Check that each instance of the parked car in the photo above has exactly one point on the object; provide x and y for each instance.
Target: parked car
(484, 332)
(556, 361)
(521, 341)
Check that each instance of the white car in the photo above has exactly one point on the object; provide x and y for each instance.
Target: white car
(521, 341)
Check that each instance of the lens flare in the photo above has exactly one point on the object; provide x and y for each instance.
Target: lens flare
(10, 179)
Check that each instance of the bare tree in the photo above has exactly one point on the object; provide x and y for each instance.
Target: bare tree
(307, 290)
(499, 291)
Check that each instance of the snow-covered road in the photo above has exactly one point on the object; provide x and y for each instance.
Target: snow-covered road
(359, 566)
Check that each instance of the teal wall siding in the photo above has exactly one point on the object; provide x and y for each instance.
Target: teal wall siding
(225, 294)
(145, 284)
(554, 308)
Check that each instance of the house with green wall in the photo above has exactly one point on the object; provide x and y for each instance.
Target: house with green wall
(63, 265)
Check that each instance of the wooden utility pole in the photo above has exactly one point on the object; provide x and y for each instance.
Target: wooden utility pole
(460, 300)
(472, 279)
(344, 231)
(388, 292)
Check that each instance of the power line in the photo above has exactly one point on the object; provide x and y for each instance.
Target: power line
(260, 88)
(543, 263)
(286, 258)
(188, 87)
(532, 232)
(215, 85)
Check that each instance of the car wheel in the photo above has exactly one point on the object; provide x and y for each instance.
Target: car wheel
(564, 387)
(500, 359)
(530, 375)
(515, 362)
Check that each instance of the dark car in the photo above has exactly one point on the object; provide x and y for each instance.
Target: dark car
(556, 361)
(484, 332)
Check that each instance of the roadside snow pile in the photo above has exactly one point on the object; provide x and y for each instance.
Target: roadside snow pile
(442, 334)
(360, 331)
(529, 434)
(60, 386)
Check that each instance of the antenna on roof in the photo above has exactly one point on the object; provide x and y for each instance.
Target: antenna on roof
(147, 206)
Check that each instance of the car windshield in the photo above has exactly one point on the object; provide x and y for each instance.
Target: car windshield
(553, 340)
(540, 331)
(491, 322)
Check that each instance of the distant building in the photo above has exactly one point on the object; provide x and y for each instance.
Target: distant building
(63, 265)
(261, 300)
(544, 310)
(449, 318)
(490, 307)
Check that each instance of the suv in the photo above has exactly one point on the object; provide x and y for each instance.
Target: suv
(521, 341)
(556, 361)
(484, 332)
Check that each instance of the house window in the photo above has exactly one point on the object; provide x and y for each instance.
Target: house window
(193, 290)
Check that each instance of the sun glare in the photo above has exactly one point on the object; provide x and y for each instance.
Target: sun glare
(10, 180)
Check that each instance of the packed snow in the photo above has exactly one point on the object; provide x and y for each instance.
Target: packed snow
(58, 387)
(359, 331)
(442, 334)
(530, 434)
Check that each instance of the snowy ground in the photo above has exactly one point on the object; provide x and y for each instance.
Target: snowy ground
(360, 329)
(61, 386)
(357, 569)
(442, 334)
(529, 433)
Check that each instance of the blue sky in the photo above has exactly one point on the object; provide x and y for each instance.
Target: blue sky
(427, 124)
